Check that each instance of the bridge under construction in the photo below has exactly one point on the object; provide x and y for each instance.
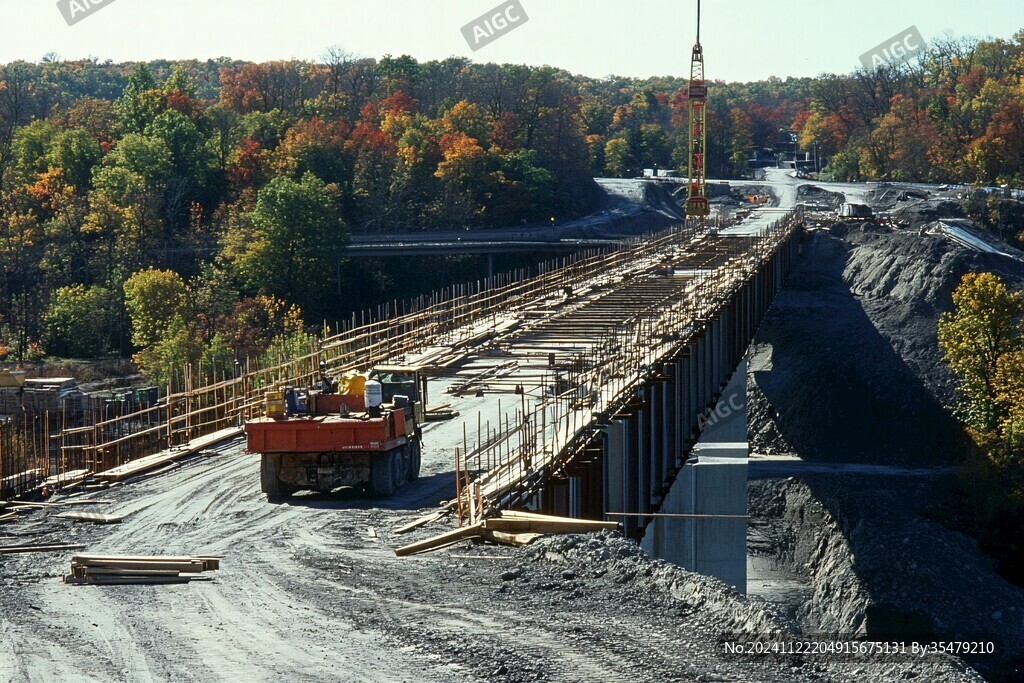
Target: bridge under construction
(590, 379)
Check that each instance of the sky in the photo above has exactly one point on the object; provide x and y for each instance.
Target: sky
(743, 40)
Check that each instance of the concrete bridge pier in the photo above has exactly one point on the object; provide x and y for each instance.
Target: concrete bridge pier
(711, 486)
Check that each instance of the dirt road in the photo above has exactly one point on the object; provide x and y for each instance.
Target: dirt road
(310, 590)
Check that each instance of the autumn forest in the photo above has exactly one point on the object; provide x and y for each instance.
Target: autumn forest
(179, 211)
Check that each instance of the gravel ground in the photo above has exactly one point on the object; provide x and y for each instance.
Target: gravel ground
(310, 590)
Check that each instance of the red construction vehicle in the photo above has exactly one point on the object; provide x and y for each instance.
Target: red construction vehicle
(365, 435)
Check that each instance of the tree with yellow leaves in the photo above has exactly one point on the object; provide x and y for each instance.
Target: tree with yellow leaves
(982, 340)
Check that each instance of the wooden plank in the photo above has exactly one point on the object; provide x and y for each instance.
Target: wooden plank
(8, 517)
(24, 505)
(145, 558)
(517, 540)
(520, 514)
(209, 562)
(111, 571)
(152, 462)
(534, 526)
(153, 473)
(13, 549)
(68, 478)
(422, 521)
(91, 517)
(441, 541)
(132, 580)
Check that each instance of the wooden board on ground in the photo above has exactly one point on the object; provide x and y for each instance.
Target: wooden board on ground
(152, 462)
(12, 549)
(441, 541)
(132, 580)
(209, 562)
(552, 525)
(16, 504)
(422, 521)
(91, 517)
(72, 478)
(508, 528)
(516, 540)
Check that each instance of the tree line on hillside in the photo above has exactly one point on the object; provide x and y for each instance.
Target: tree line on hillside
(195, 210)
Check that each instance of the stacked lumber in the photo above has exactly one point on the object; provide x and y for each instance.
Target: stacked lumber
(508, 528)
(139, 569)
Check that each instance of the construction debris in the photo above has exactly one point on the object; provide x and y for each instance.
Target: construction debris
(128, 569)
(13, 505)
(508, 528)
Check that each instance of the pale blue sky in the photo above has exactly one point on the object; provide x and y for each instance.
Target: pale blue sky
(743, 39)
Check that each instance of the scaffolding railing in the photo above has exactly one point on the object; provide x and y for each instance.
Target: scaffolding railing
(507, 464)
(54, 446)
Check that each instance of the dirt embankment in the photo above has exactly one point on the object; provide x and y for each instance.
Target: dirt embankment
(878, 565)
(846, 366)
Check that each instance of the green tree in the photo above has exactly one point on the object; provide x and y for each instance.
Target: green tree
(617, 159)
(148, 157)
(184, 142)
(224, 124)
(984, 326)
(296, 238)
(154, 300)
(524, 189)
(30, 148)
(76, 153)
(79, 321)
(140, 102)
(843, 167)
